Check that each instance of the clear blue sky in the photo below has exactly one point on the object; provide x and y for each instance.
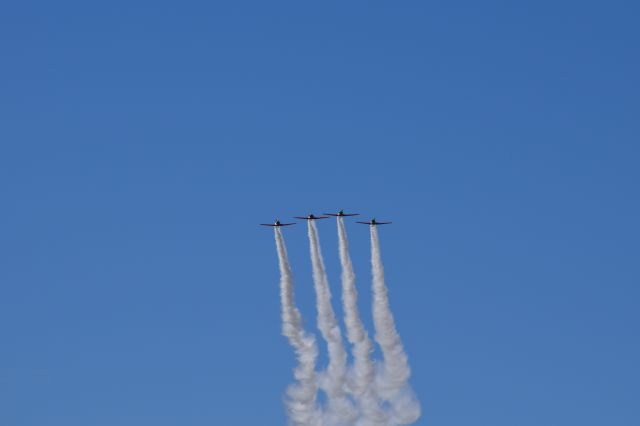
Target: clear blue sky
(141, 143)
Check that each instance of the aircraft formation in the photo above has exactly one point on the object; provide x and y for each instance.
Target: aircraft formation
(341, 213)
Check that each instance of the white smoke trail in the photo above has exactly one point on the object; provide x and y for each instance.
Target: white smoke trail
(392, 384)
(340, 409)
(363, 372)
(301, 398)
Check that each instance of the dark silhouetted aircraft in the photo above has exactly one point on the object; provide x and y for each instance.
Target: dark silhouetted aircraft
(311, 217)
(277, 224)
(341, 213)
(373, 222)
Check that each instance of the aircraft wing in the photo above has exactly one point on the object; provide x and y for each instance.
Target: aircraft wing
(342, 215)
(309, 218)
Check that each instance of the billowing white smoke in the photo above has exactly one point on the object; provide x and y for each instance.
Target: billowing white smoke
(301, 397)
(363, 371)
(392, 382)
(382, 395)
(340, 410)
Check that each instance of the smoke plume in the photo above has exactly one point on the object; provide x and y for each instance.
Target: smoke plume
(392, 382)
(340, 410)
(363, 371)
(301, 397)
(364, 393)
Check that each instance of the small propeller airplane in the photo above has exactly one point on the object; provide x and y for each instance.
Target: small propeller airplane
(277, 224)
(341, 213)
(374, 222)
(310, 217)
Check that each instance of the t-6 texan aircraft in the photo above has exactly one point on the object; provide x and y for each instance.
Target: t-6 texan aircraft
(277, 224)
(310, 217)
(341, 213)
(373, 222)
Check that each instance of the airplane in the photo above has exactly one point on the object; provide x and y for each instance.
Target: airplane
(277, 224)
(310, 217)
(373, 222)
(341, 213)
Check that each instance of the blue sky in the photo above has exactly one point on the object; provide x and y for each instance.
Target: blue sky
(141, 143)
